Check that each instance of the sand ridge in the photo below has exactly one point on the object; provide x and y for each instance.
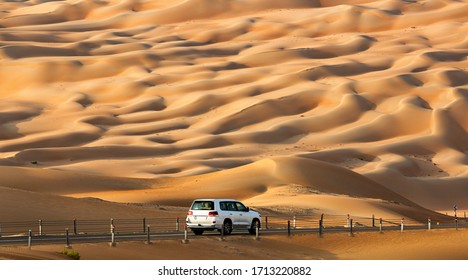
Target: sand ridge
(141, 101)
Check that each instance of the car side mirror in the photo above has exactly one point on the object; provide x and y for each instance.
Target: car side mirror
(247, 209)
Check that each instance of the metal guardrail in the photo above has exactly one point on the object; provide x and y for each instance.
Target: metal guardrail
(76, 227)
(56, 231)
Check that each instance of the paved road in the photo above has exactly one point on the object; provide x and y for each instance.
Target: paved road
(87, 238)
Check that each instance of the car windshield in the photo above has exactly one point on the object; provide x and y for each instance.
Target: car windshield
(203, 205)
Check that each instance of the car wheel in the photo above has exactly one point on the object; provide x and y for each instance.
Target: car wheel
(227, 227)
(197, 231)
(255, 224)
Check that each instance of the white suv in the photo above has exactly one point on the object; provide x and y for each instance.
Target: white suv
(221, 214)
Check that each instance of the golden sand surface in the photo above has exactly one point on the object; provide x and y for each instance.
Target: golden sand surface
(337, 106)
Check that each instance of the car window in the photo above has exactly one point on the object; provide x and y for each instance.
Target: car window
(240, 207)
(227, 206)
(223, 206)
(203, 205)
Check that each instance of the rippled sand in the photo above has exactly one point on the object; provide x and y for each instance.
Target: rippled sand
(357, 107)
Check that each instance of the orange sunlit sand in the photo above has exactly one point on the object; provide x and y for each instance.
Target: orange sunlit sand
(135, 108)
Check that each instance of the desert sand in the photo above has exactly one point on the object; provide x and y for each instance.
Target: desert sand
(128, 107)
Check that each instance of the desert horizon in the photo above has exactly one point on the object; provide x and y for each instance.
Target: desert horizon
(135, 108)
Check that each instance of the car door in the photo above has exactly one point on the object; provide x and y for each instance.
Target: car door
(242, 214)
(200, 212)
(231, 212)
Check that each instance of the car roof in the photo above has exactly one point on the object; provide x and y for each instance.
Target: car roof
(214, 199)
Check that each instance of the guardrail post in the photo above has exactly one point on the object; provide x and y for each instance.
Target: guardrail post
(222, 233)
(294, 221)
(380, 225)
(257, 231)
(266, 222)
(144, 225)
(148, 235)
(74, 227)
(29, 239)
(402, 224)
(112, 227)
(321, 225)
(185, 240)
(429, 224)
(456, 223)
(464, 214)
(112, 244)
(289, 228)
(67, 239)
(347, 220)
(351, 227)
(40, 227)
(373, 220)
(177, 224)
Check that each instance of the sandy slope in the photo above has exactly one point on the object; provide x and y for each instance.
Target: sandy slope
(360, 106)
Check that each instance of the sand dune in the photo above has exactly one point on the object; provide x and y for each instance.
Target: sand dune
(52, 207)
(359, 105)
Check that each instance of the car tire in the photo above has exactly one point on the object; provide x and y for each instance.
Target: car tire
(227, 227)
(255, 224)
(197, 231)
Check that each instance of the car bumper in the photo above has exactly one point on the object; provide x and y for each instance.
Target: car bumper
(201, 226)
